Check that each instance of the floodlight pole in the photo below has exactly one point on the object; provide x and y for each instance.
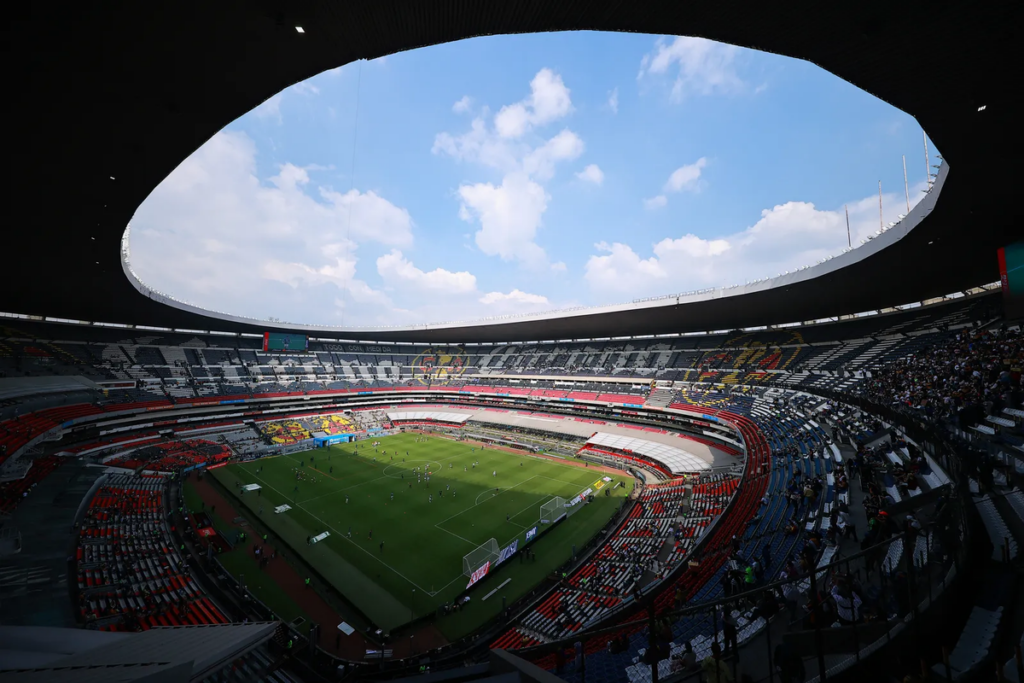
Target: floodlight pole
(849, 241)
(927, 166)
(881, 223)
(906, 186)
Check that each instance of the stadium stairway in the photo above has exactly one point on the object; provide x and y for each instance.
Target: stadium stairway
(257, 666)
(660, 397)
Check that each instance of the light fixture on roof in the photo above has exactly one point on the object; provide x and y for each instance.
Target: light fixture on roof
(299, 29)
(983, 107)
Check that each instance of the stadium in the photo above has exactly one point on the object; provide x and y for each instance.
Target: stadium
(807, 477)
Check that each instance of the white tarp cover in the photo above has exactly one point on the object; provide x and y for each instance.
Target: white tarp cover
(457, 418)
(675, 460)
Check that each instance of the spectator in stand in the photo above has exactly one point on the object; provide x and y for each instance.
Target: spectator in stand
(972, 374)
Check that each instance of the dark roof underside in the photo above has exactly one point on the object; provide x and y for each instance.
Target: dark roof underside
(130, 89)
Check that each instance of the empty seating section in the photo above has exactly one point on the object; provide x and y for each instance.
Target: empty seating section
(974, 643)
(698, 581)
(113, 441)
(173, 455)
(1003, 544)
(564, 612)
(18, 431)
(129, 574)
(170, 367)
(12, 492)
(658, 525)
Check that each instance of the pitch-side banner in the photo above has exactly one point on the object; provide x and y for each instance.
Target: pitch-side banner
(479, 574)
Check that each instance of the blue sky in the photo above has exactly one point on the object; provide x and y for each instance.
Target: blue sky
(516, 174)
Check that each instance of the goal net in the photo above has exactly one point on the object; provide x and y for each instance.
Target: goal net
(473, 560)
(552, 510)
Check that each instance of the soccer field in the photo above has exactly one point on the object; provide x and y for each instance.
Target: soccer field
(363, 498)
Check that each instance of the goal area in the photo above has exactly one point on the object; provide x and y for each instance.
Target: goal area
(486, 552)
(552, 510)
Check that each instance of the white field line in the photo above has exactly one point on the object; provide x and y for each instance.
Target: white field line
(369, 481)
(291, 457)
(493, 495)
(501, 544)
(475, 545)
(345, 537)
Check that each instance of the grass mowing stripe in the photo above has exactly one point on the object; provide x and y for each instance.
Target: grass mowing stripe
(423, 524)
(354, 582)
(328, 526)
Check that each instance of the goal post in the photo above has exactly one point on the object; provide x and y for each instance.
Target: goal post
(552, 510)
(486, 552)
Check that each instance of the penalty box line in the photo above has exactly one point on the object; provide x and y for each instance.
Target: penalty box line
(477, 545)
(460, 576)
(493, 496)
(345, 537)
(536, 476)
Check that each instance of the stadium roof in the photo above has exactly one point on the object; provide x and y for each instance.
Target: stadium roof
(675, 459)
(438, 416)
(181, 653)
(106, 99)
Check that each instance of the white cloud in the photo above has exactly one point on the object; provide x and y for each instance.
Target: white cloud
(394, 267)
(655, 202)
(214, 234)
(512, 121)
(481, 145)
(548, 101)
(685, 177)
(306, 88)
(618, 264)
(509, 215)
(591, 174)
(270, 109)
(463, 105)
(370, 217)
(432, 294)
(540, 163)
(613, 101)
(515, 296)
(701, 67)
(338, 273)
(784, 238)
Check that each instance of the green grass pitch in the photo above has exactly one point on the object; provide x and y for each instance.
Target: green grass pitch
(420, 567)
